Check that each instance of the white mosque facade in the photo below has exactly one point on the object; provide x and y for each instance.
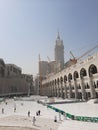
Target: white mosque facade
(79, 80)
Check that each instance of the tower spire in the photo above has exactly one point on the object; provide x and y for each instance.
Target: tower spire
(58, 35)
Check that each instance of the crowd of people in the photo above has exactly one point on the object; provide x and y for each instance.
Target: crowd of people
(29, 113)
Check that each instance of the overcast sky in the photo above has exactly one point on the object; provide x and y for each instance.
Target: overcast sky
(29, 28)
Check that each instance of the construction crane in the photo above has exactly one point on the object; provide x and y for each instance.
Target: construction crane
(87, 52)
(48, 59)
(40, 75)
(49, 66)
(72, 55)
(74, 60)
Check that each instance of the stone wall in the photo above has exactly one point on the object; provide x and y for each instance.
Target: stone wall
(13, 85)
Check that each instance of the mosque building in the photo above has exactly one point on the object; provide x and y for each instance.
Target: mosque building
(74, 79)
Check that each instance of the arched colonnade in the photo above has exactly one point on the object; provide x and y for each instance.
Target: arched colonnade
(82, 84)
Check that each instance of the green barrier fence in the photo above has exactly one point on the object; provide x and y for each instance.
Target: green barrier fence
(73, 117)
(89, 119)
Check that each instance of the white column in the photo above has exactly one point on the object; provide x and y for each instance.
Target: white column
(83, 88)
(75, 86)
(93, 94)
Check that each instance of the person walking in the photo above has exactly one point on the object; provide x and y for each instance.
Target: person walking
(33, 120)
(2, 110)
(28, 113)
(55, 119)
(39, 112)
(14, 109)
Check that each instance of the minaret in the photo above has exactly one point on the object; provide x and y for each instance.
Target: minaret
(59, 51)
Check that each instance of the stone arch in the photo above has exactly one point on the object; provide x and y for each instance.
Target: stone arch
(58, 80)
(76, 75)
(69, 76)
(92, 69)
(55, 82)
(61, 79)
(79, 86)
(58, 87)
(65, 78)
(83, 72)
(95, 86)
(87, 86)
(55, 87)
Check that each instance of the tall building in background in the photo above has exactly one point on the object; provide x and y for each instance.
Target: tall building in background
(43, 68)
(59, 52)
(13, 82)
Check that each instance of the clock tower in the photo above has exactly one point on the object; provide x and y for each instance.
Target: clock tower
(59, 51)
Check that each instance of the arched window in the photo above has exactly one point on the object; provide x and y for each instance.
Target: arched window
(55, 82)
(95, 85)
(79, 86)
(61, 79)
(92, 70)
(88, 86)
(76, 75)
(83, 73)
(70, 76)
(58, 81)
(65, 78)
